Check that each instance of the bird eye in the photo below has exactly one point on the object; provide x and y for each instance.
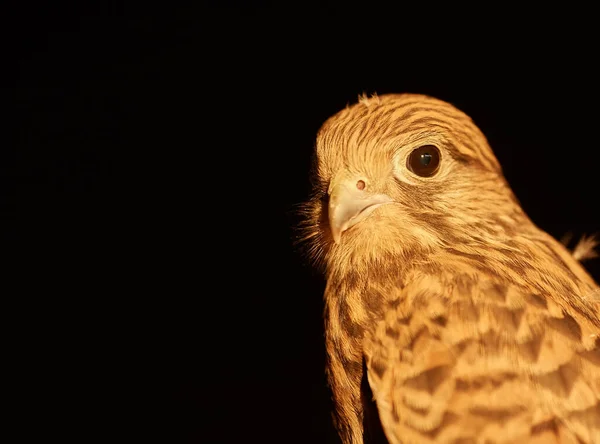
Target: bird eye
(424, 161)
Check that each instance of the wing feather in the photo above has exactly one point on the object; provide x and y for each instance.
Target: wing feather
(470, 360)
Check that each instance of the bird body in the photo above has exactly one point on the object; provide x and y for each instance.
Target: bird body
(468, 322)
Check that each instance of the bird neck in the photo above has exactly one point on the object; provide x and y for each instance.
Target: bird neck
(529, 259)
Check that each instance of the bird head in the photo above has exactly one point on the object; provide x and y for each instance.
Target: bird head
(400, 174)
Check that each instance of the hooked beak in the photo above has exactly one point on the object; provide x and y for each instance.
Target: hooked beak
(350, 201)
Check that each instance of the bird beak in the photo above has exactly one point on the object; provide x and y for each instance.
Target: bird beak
(349, 204)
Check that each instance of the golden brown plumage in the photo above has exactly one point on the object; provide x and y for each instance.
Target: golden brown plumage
(473, 325)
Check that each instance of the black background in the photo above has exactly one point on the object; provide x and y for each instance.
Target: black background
(148, 198)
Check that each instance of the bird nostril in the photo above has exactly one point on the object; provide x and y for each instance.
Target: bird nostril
(360, 185)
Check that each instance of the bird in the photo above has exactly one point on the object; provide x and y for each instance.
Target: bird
(449, 315)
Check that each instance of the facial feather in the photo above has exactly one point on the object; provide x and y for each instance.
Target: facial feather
(467, 206)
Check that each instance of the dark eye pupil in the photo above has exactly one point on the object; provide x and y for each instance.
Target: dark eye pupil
(424, 161)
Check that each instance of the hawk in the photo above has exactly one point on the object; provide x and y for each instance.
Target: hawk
(448, 312)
